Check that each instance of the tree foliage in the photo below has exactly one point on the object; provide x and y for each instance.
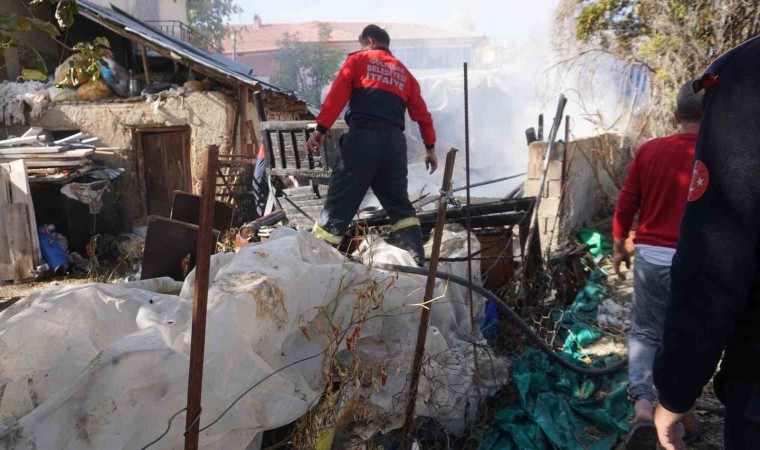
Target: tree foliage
(210, 16)
(674, 40)
(10, 24)
(307, 67)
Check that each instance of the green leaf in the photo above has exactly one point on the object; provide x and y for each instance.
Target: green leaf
(12, 22)
(65, 13)
(36, 3)
(7, 42)
(36, 62)
(46, 27)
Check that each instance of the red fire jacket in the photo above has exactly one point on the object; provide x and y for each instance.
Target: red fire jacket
(380, 89)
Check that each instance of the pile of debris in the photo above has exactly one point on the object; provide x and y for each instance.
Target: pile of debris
(48, 158)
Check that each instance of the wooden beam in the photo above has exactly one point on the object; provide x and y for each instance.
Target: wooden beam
(243, 107)
(200, 298)
(146, 68)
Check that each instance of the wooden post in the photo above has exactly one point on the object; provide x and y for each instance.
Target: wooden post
(419, 351)
(146, 69)
(245, 147)
(202, 263)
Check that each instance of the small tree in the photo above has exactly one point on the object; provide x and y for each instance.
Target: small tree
(672, 40)
(209, 16)
(307, 67)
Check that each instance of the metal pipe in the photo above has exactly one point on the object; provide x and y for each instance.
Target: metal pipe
(419, 350)
(461, 188)
(468, 219)
(200, 298)
(512, 316)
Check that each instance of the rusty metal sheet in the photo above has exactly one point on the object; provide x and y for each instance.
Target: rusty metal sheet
(170, 247)
(186, 208)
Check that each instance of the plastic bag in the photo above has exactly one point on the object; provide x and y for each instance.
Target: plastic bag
(115, 76)
(91, 92)
(67, 76)
(62, 94)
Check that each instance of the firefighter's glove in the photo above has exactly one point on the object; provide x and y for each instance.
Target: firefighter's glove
(431, 161)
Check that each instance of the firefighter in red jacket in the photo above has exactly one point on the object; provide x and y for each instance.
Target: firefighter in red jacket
(373, 152)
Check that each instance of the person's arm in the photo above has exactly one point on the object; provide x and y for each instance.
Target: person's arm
(715, 265)
(337, 97)
(628, 203)
(419, 113)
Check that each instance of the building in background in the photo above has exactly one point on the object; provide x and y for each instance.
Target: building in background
(167, 16)
(418, 46)
(150, 10)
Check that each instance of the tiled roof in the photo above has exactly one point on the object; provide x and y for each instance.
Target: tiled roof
(253, 38)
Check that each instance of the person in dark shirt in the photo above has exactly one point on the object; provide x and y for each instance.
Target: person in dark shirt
(714, 307)
(379, 91)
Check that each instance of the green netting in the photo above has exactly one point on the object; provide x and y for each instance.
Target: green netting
(559, 408)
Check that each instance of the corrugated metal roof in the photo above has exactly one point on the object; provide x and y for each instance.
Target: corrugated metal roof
(214, 61)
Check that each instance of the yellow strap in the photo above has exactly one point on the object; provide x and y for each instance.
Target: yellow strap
(321, 233)
(406, 223)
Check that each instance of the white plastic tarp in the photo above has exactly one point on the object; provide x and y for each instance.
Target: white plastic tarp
(105, 366)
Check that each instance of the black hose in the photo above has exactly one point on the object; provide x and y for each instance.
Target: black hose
(512, 315)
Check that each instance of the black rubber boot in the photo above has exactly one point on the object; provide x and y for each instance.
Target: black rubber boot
(410, 239)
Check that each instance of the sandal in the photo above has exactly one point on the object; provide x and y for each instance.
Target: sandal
(643, 436)
(691, 437)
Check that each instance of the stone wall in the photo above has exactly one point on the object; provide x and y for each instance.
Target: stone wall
(208, 115)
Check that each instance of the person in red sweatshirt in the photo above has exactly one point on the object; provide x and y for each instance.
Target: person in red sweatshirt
(656, 188)
(379, 90)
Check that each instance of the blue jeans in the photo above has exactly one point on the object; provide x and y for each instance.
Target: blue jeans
(651, 294)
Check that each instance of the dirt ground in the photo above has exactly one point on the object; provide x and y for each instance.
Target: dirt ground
(709, 407)
(10, 293)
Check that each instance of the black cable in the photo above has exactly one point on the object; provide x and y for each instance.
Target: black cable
(514, 317)
(258, 383)
(168, 427)
(169, 424)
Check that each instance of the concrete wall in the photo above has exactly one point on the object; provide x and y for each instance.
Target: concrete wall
(209, 115)
(595, 174)
(582, 181)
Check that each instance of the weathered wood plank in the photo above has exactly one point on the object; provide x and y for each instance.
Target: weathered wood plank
(5, 185)
(6, 263)
(17, 227)
(20, 193)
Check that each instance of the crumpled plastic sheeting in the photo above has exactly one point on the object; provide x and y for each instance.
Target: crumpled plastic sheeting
(104, 366)
(91, 194)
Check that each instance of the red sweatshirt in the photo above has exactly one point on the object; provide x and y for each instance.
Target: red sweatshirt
(380, 89)
(656, 187)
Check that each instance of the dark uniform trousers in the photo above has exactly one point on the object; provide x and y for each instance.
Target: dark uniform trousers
(373, 158)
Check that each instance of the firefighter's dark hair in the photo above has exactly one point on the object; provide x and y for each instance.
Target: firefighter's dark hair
(378, 34)
(689, 104)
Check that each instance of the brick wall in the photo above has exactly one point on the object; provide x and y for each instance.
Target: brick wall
(549, 207)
